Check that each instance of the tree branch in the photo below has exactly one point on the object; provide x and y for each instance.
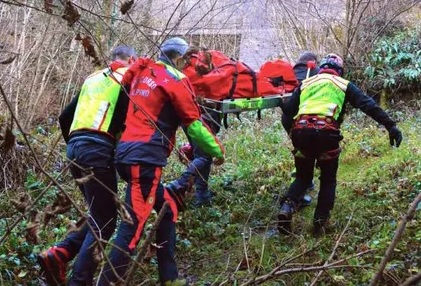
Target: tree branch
(144, 248)
(398, 234)
(338, 241)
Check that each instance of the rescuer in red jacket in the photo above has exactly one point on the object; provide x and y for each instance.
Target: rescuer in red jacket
(161, 100)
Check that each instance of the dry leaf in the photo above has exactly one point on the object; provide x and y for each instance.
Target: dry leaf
(48, 5)
(126, 6)
(33, 228)
(23, 201)
(9, 60)
(89, 49)
(98, 255)
(74, 227)
(70, 13)
(9, 141)
(61, 205)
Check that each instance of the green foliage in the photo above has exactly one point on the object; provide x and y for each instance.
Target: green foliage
(395, 62)
(236, 238)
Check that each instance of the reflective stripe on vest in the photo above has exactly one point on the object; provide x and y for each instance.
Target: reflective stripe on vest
(97, 100)
(322, 95)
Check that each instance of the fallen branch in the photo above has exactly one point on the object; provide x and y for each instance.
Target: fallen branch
(333, 265)
(398, 233)
(412, 280)
(286, 262)
(43, 171)
(338, 241)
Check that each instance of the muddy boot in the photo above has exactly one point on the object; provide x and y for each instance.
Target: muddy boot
(285, 216)
(321, 225)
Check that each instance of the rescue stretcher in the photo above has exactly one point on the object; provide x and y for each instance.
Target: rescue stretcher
(238, 105)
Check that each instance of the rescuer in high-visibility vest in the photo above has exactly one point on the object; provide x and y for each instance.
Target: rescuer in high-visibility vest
(312, 117)
(161, 100)
(91, 125)
(305, 67)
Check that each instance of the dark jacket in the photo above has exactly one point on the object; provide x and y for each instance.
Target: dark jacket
(300, 71)
(117, 122)
(354, 95)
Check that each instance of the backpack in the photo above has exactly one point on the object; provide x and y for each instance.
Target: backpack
(280, 73)
(216, 76)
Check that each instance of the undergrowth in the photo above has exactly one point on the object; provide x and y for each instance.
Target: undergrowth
(236, 238)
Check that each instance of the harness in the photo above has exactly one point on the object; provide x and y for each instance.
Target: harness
(318, 123)
(325, 156)
(315, 122)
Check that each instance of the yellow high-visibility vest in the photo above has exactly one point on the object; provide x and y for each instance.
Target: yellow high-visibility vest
(97, 100)
(323, 95)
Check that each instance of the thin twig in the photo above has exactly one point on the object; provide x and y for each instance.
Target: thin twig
(148, 241)
(398, 233)
(28, 210)
(41, 168)
(284, 263)
(332, 265)
(413, 280)
(338, 241)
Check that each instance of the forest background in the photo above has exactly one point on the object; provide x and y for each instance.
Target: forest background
(48, 47)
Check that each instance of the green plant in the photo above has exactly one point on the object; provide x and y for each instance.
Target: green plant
(395, 63)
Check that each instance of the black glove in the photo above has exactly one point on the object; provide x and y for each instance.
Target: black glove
(178, 193)
(395, 136)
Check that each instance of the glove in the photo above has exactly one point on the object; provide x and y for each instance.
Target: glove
(219, 161)
(395, 136)
(178, 193)
(185, 154)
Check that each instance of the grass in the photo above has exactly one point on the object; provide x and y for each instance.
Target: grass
(236, 239)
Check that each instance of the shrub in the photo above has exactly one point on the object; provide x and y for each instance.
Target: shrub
(394, 65)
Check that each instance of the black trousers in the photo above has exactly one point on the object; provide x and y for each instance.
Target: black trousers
(320, 147)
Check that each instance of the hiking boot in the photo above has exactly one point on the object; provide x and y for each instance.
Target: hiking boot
(320, 226)
(176, 282)
(285, 216)
(203, 201)
(53, 262)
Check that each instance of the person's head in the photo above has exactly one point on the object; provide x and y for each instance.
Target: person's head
(307, 57)
(173, 49)
(124, 54)
(332, 62)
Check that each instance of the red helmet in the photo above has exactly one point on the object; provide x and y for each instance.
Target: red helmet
(185, 153)
(333, 61)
